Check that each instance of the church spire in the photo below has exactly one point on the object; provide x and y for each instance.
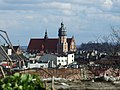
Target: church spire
(72, 37)
(62, 43)
(46, 36)
(62, 25)
(62, 31)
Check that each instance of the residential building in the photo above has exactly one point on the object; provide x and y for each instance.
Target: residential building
(56, 60)
(16, 50)
(34, 64)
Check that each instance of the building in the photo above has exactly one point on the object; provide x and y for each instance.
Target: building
(65, 59)
(62, 44)
(6, 50)
(17, 50)
(56, 60)
(37, 64)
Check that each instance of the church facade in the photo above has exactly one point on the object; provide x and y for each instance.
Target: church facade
(62, 44)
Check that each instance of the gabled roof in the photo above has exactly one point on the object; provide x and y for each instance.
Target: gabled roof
(51, 45)
(35, 44)
(42, 44)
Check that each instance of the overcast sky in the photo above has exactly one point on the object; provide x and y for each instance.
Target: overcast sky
(86, 20)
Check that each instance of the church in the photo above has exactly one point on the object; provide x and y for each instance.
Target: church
(62, 44)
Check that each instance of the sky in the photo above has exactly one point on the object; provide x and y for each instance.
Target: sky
(86, 20)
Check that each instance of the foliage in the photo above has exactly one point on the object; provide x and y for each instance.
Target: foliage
(21, 82)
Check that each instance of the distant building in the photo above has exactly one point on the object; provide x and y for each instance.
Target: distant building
(16, 50)
(58, 60)
(65, 59)
(33, 64)
(62, 44)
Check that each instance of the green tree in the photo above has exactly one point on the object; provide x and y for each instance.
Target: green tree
(21, 82)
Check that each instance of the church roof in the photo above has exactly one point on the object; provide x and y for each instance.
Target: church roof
(42, 44)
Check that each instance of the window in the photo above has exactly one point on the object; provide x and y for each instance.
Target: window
(62, 60)
(72, 55)
(58, 60)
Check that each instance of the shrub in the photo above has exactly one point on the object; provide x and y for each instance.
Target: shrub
(21, 82)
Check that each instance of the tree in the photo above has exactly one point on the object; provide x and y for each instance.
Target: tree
(113, 42)
(21, 82)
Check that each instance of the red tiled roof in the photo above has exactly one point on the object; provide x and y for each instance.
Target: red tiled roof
(6, 64)
(49, 44)
(35, 44)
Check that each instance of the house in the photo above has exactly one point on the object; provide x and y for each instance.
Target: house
(62, 44)
(6, 50)
(35, 64)
(57, 60)
(10, 51)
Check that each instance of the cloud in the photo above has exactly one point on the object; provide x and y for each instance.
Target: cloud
(79, 16)
(108, 4)
(16, 5)
(56, 5)
(7, 24)
(25, 1)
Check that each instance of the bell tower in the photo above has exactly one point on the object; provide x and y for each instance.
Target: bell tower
(46, 36)
(62, 46)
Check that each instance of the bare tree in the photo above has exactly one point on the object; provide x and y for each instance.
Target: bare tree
(112, 42)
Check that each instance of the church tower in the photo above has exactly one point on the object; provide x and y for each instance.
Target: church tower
(46, 36)
(62, 46)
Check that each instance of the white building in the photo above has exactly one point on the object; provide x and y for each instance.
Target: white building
(61, 60)
(65, 59)
(58, 60)
(34, 64)
(70, 58)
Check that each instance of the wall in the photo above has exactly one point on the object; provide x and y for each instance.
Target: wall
(37, 65)
(70, 58)
(62, 60)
